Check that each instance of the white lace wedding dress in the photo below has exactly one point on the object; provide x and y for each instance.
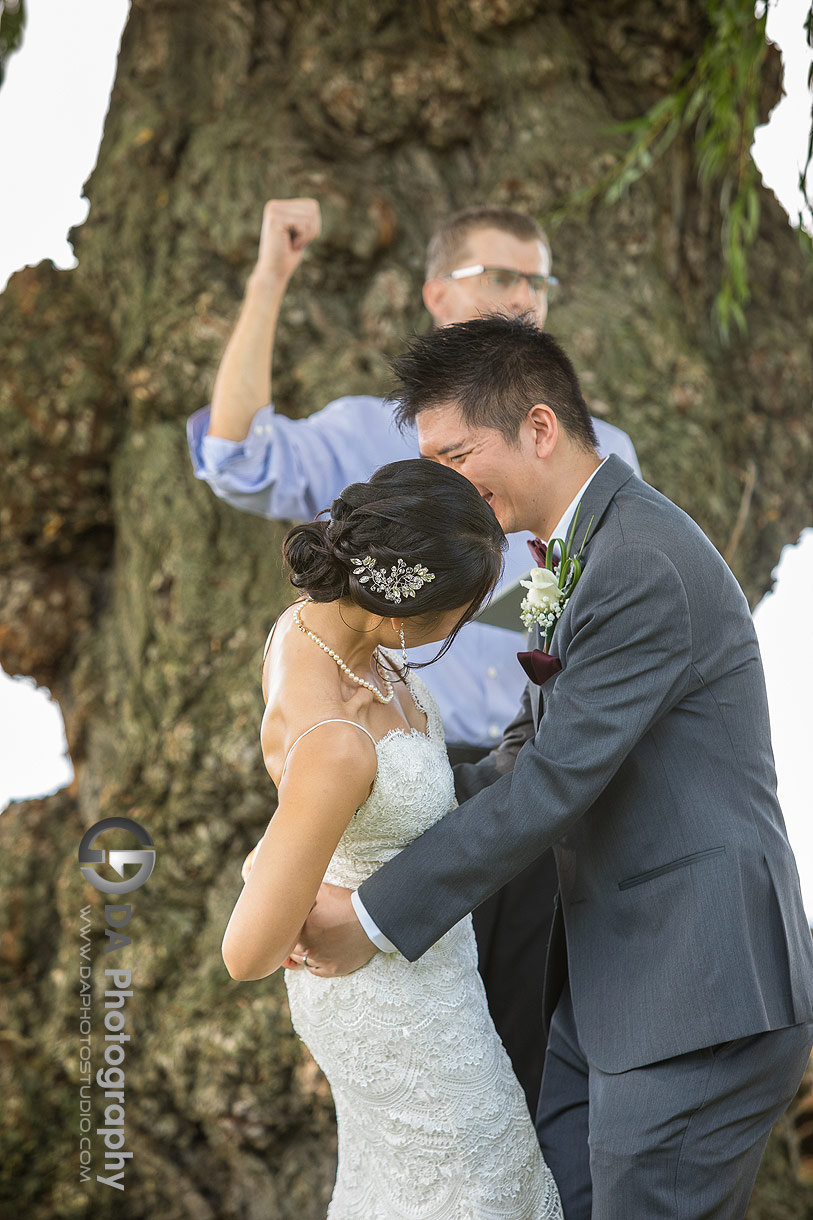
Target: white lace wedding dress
(432, 1121)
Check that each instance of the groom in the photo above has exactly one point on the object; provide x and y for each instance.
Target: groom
(679, 982)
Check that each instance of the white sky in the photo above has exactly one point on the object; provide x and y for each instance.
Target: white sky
(52, 107)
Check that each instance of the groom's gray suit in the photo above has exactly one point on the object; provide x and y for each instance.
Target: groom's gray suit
(651, 774)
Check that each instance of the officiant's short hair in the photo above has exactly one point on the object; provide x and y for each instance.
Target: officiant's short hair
(447, 245)
(494, 369)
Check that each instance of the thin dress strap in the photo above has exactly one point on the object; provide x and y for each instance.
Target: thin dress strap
(333, 720)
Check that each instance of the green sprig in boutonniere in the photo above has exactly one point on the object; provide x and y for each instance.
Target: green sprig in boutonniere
(551, 586)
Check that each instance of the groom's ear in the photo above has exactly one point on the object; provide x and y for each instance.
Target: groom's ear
(544, 427)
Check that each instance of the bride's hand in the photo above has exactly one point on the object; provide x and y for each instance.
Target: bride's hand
(332, 939)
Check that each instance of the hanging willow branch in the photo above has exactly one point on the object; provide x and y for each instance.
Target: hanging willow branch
(717, 99)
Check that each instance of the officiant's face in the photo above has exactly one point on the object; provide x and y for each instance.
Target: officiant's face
(497, 289)
(507, 476)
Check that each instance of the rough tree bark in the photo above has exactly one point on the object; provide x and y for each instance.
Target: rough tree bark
(143, 602)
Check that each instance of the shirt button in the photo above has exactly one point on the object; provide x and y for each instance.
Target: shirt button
(493, 731)
(491, 672)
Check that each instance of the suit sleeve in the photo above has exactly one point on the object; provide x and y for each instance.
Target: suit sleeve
(627, 664)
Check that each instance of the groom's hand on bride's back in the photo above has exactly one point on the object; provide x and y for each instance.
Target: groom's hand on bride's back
(332, 939)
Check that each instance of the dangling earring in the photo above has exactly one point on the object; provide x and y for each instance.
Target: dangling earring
(403, 647)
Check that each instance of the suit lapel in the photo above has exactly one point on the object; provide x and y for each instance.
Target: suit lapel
(608, 480)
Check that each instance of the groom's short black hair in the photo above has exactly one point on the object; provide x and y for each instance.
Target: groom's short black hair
(494, 369)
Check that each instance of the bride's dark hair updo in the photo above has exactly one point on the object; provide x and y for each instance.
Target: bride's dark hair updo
(414, 510)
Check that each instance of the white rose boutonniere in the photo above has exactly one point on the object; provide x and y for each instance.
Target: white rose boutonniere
(551, 586)
(542, 604)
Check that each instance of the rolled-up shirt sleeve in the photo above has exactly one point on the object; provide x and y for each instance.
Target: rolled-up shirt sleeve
(291, 469)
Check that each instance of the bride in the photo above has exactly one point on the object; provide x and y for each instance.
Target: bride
(432, 1122)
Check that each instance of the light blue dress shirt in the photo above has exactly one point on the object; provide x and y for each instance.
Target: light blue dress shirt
(291, 469)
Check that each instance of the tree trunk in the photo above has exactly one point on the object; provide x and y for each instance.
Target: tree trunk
(143, 602)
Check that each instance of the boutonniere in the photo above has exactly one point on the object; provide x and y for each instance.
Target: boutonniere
(550, 587)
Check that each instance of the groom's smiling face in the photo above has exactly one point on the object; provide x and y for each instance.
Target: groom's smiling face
(507, 476)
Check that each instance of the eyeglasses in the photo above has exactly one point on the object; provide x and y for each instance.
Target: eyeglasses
(503, 279)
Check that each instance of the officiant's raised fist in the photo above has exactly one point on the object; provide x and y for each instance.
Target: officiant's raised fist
(289, 226)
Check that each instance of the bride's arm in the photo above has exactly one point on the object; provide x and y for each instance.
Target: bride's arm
(329, 777)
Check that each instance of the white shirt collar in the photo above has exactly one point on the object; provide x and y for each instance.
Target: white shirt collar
(562, 528)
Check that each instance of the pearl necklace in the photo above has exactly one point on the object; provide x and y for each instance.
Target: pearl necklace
(348, 673)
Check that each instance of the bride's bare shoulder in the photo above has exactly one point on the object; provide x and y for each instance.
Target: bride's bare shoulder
(321, 731)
